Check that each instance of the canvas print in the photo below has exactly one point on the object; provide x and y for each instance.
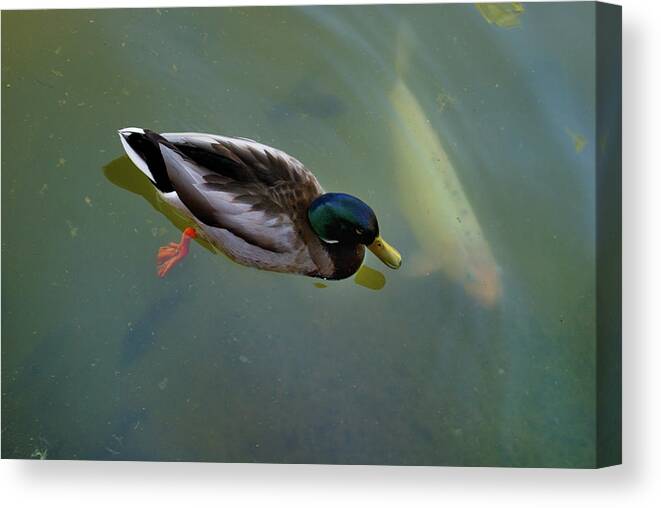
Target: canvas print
(384, 234)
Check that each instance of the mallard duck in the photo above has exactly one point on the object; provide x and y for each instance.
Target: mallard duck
(256, 204)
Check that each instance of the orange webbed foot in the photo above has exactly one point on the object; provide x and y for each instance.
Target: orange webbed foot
(169, 255)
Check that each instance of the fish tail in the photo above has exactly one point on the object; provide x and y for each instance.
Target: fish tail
(404, 46)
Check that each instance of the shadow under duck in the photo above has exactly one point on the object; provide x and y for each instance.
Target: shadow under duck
(256, 204)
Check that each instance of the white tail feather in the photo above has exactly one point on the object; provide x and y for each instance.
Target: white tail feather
(133, 155)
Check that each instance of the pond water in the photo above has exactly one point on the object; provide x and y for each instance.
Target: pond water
(101, 359)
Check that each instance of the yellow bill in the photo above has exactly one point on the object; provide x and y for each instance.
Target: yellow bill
(386, 253)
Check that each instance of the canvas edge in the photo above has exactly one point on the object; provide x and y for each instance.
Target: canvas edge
(608, 174)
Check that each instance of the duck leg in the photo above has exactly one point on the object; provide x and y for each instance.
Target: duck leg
(169, 255)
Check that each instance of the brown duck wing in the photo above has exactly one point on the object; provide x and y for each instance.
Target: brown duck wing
(244, 207)
(246, 161)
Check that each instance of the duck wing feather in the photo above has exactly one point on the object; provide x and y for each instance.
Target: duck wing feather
(254, 194)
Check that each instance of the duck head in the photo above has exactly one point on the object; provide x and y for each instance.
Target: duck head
(342, 218)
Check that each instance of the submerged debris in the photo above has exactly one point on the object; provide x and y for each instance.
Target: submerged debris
(158, 231)
(504, 15)
(73, 230)
(163, 384)
(40, 453)
(443, 100)
(320, 285)
(578, 140)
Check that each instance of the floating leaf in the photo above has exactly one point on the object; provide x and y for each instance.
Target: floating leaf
(504, 15)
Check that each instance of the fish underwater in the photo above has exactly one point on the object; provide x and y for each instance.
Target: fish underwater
(308, 98)
(433, 200)
(142, 333)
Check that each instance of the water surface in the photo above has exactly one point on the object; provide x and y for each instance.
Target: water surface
(218, 362)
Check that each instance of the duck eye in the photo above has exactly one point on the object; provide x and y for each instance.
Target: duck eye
(359, 231)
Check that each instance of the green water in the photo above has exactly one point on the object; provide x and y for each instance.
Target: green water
(218, 362)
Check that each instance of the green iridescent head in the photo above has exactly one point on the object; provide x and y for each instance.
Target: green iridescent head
(342, 218)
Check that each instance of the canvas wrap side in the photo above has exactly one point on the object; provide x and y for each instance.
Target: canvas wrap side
(609, 233)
